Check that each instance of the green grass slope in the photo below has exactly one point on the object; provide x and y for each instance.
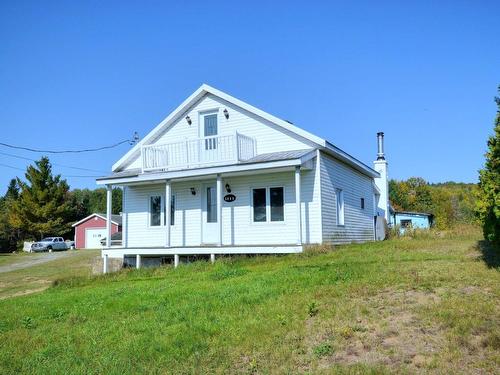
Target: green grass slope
(400, 306)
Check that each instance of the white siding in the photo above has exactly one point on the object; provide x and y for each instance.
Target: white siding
(269, 137)
(358, 222)
(238, 228)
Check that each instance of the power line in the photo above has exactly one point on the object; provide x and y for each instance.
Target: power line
(132, 141)
(10, 166)
(24, 170)
(60, 165)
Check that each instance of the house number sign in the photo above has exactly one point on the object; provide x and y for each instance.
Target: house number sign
(229, 197)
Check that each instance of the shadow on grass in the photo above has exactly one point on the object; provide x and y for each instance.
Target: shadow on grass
(490, 254)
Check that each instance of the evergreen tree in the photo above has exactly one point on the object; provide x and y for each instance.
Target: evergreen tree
(488, 207)
(43, 207)
(8, 236)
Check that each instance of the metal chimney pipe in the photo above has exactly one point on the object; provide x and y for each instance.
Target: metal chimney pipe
(380, 143)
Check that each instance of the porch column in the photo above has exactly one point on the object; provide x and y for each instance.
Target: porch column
(105, 263)
(219, 210)
(168, 197)
(109, 199)
(176, 260)
(298, 205)
(138, 261)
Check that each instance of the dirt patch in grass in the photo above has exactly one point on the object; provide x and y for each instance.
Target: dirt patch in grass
(25, 292)
(396, 332)
(390, 334)
(394, 336)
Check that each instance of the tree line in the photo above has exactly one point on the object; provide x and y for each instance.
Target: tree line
(451, 203)
(42, 204)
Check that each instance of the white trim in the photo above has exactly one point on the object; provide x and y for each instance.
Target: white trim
(219, 209)
(150, 213)
(91, 215)
(201, 121)
(109, 208)
(298, 204)
(167, 212)
(268, 221)
(250, 249)
(202, 172)
(124, 217)
(206, 89)
(319, 182)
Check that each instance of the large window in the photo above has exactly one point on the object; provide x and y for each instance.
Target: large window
(211, 205)
(268, 204)
(155, 211)
(259, 205)
(340, 207)
(277, 204)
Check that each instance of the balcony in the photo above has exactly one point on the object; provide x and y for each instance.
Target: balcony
(193, 153)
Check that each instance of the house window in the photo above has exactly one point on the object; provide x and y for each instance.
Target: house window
(210, 129)
(277, 206)
(259, 205)
(406, 223)
(211, 205)
(155, 211)
(362, 203)
(340, 207)
(268, 204)
(172, 211)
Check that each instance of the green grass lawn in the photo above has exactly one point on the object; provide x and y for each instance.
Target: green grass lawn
(399, 306)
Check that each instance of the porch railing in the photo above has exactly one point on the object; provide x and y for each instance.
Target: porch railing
(192, 153)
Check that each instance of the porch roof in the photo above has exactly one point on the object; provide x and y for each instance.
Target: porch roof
(280, 159)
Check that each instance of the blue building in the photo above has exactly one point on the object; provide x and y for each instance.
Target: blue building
(414, 220)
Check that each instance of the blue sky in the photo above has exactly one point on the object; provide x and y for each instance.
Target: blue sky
(86, 74)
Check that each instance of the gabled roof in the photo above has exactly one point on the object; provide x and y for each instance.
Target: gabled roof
(284, 125)
(115, 219)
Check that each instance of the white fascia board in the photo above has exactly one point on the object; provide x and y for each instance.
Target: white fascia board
(350, 160)
(282, 123)
(198, 94)
(165, 123)
(190, 173)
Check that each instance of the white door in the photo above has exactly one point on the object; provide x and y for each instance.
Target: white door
(93, 237)
(209, 214)
(210, 129)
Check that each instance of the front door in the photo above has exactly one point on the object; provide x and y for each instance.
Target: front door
(209, 214)
(210, 143)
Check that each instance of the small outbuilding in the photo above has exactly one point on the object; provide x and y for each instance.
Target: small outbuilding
(410, 220)
(92, 229)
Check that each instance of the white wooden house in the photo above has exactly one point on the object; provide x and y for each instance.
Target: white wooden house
(219, 176)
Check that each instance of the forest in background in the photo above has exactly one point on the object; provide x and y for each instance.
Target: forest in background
(451, 203)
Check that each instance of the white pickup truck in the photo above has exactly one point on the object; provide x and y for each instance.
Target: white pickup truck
(51, 244)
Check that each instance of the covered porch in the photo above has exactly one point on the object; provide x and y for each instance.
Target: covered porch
(208, 206)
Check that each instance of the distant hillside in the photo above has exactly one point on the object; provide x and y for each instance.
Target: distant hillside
(450, 202)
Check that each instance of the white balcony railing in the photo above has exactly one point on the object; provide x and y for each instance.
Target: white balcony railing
(193, 153)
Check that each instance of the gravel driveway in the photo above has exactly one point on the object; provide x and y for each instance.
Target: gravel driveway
(36, 259)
